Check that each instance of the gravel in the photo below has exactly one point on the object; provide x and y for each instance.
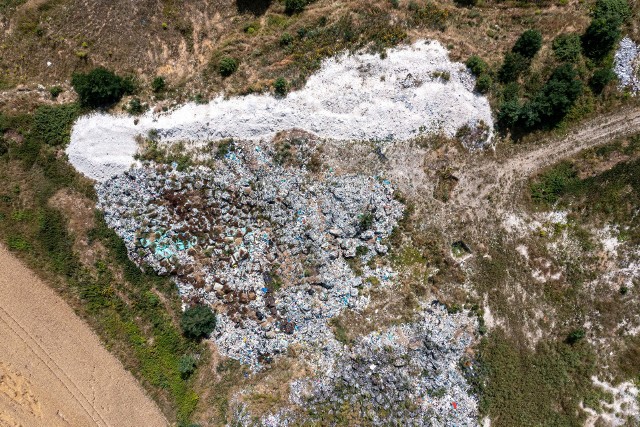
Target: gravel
(626, 65)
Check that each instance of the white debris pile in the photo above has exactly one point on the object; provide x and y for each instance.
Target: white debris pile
(410, 375)
(263, 244)
(627, 65)
(414, 89)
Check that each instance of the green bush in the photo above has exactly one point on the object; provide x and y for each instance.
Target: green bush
(281, 86)
(55, 91)
(550, 185)
(198, 321)
(286, 39)
(567, 48)
(600, 79)
(605, 28)
(187, 366)
(528, 44)
(158, 84)
(100, 87)
(52, 124)
(227, 66)
(484, 83)
(294, 6)
(575, 336)
(135, 106)
(513, 67)
(476, 65)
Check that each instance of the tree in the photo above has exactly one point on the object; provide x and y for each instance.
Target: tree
(294, 6)
(100, 87)
(280, 86)
(227, 66)
(484, 83)
(528, 44)
(476, 65)
(198, 321)
(513, 67)
(600, 79)
(186, 366)
(567, 48)
(604, 30)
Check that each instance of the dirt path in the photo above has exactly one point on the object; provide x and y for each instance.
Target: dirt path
(53, 369)
(500, 178)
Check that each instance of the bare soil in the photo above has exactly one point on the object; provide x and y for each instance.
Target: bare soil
(53, 369)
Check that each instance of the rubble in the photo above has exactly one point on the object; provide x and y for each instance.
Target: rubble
(263, 244)
(627, 65)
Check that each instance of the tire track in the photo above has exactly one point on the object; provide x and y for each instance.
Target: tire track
(63, 378)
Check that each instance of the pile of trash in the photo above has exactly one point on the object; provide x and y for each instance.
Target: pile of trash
(410, 375)
(263, 243)
(627, 65)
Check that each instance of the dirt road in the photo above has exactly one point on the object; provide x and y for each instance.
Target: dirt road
(53, 369)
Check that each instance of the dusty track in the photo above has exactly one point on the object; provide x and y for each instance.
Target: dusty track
(53, 369)
(500, 178)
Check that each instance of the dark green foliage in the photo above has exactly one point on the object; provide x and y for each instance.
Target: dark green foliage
(198, 321)
(484, 83)
(55, 91)
(286, 39)
(224, 148)
(227, 66)
(57, 243)
(158, 84)
(549, 186)
(467, 3)
(528, 44)
(600, 79)
(366, 221)
(52, 124)
(187, 366)
(280, 86)
(605, 28)
(294, 6)
(477, 65)
(567, 47)
(575, 336)
(100, 87)
(513, 67)
(509, 114)
(136, 107)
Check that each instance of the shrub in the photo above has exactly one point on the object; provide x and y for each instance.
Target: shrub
(528, 44)
(135, 106)
(55, 91)
(52, 124)
(566, 47)
(484, 83)
(366, 221)
(476, 65)
(513, 67)
(509, 114)
(286, 39)
(600, 79)
(552, 184)
(575, 336)
(617, 9)
(187, 366)
(466, 3)
(280, 86)
(198, 321)
(158, 84)
(100, 87)
(227, 66)
(604, 30)
(294, 6)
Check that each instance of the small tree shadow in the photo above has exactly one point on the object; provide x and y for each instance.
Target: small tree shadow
(255, 7)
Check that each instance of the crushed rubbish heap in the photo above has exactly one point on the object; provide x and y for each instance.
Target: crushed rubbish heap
(409, 374)
(263, 243)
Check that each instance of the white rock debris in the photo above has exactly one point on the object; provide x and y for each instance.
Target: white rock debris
(627, 65)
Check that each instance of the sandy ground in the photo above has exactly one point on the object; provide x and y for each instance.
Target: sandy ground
(415, 89)
(53, 369)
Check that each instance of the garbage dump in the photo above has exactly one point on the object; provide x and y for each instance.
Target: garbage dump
(261, 242)
(409, 375)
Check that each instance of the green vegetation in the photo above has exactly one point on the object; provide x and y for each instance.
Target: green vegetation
(198, 321)
(550, 185)
(567, 47)
(484, 83)
(366, 221)
(52, 124)
(513, 67)
(605, 28)
(528, 44)
(477, 65)
(55, 91)
(281, 86)
(227, 66)
(158, 84)
(135, 107)
(521, 387)
(100, 87)
(575, 336)
(600, 79)
(294, 6)
(187, 366)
